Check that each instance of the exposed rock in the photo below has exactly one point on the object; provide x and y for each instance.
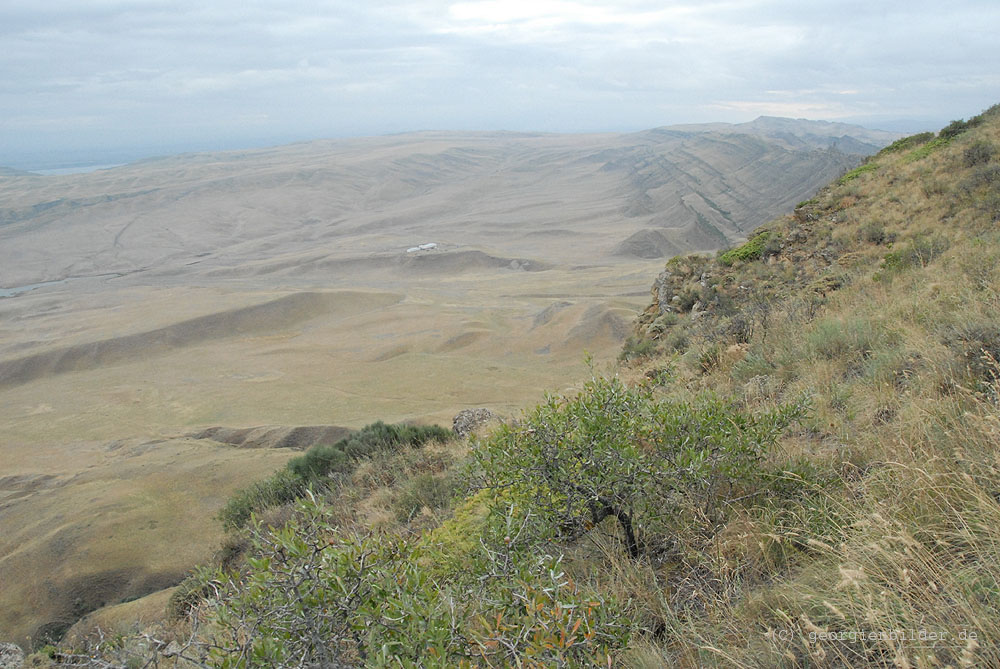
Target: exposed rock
(468, 421)
(11, 656)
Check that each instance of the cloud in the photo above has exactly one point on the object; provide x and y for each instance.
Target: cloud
(199, 72)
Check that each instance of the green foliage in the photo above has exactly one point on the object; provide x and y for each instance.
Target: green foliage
(312, 597)
(188, 594)
(956, 128)
(282, 487)
(982, 187)
(314, 468)
(856, 172)
(874, 232)
(978, 153)
(48, 651)
(926, 149)
(753, 249)
(919, 251)
(618, 452)
(752, 365)
(907, 143)
(548, 621)
(636, 348)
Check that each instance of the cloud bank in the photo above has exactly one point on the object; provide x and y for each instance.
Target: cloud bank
(137, 76)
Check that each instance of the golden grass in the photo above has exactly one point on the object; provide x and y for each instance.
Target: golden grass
(898, 562)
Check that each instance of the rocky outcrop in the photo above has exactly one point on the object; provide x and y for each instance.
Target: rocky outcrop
(11, 656)
(468, 421)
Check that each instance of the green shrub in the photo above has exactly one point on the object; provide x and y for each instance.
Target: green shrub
(907, 143)
(636, 348)
(753, 249)
(918, 252)
(978, 153)
(618, 452)
(956, 128)
(857, 171)
(753, 364)
(313, 469)
(311, 596)
(925, 150)
(320, 461)
(280, 488)
(873, 232)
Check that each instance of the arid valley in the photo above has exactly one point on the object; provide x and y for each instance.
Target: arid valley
(309, 288)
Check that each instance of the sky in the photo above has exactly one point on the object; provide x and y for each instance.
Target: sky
(103, 81)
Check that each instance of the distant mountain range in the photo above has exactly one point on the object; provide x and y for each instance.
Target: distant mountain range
(801, 133)
(649, 194)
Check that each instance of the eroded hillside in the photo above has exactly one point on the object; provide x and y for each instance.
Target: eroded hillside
(795, 467)
(154, 314)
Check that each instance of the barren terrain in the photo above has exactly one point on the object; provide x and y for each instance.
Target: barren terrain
(144, 306)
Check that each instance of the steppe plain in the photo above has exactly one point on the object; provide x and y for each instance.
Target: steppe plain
(280, 289)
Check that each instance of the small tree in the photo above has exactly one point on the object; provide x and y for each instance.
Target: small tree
(614, 451)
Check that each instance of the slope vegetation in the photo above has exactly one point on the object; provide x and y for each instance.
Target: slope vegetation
(262, 298)
(795, 467)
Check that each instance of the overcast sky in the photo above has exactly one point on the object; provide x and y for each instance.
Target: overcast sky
(102, 80)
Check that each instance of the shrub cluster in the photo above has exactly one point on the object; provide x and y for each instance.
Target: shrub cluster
(907, 143)
(753, 249)
(982, 187)
(318, 464)
(978, 153)
(614, 452)
(857, 171)
(311, 596)
(918, 252)
(956, 128)
(636, 348)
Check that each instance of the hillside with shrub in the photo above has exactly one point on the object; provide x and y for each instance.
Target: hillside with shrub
(796, 464)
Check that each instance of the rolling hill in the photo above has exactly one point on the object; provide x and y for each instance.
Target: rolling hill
(152, 311)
